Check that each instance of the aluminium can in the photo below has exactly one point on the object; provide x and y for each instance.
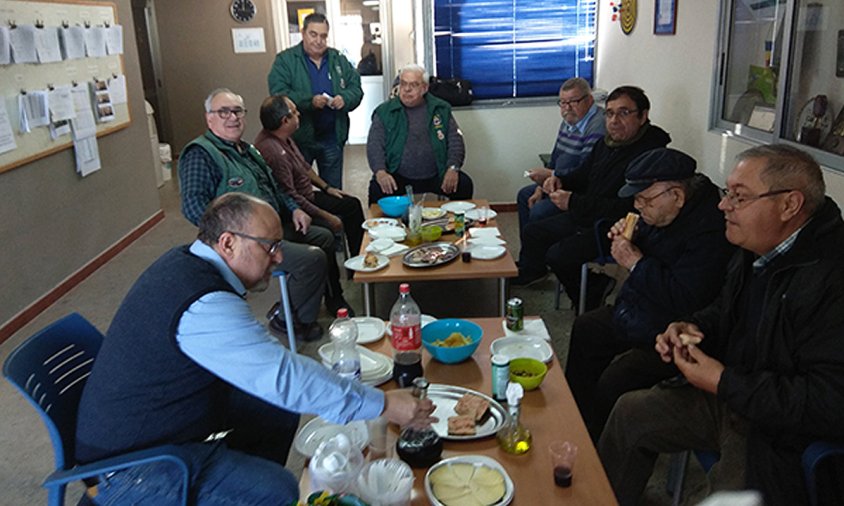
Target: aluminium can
(515, 314)
(500, 376)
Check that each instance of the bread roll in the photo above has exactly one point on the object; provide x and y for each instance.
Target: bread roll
(630, 225)
(688, 339)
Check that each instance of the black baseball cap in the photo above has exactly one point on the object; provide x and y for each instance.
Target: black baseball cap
(661, 164)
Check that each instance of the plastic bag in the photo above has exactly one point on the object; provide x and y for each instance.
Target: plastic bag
(335, 465)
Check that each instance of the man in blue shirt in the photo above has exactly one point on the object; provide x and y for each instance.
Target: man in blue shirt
(185, 358)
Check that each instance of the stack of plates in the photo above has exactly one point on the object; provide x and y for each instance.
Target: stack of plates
(375, 368)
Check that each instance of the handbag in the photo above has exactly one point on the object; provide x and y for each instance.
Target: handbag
(453, 91)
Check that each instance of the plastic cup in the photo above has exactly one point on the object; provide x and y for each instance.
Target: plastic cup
(483, 216)
(377, 437)
(563, 454)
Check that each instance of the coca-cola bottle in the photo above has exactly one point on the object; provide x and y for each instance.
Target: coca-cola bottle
(345, 358)
(406, 339)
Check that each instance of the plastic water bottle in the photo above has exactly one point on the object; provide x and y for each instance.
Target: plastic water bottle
(406, 339)
(345, 358)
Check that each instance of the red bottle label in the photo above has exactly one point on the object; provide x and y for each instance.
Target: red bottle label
(406, 338)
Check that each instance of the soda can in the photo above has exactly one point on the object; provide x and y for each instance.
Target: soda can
(459, 224)
(515, 314)
(500, 377)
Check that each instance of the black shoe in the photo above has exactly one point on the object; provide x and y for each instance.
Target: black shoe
(527, 278)
(335, 303)
(306, 332)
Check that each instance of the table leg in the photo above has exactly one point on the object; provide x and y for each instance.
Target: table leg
(502, 294)
(367, 304)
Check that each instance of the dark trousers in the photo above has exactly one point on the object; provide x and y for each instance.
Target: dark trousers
(350, 212)
(601, 367)
(259, 428)
(465, 187)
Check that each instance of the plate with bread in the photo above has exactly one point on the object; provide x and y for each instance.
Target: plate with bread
(368, 262)
(465, 414)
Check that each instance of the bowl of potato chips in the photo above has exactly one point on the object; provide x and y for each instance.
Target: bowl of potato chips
(451, 340)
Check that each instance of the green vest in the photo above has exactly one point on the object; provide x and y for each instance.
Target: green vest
(394, 118)
(246, 173)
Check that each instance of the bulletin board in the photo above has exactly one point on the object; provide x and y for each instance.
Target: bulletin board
(20, 77)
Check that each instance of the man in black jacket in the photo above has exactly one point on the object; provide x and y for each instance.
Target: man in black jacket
(677, 261)
(768, 377)
(589, 193)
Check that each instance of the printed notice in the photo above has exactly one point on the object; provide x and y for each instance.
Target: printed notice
(114, 39)
(7, 136)
(61, 104)
(87, 155)
(95, 41)
(5, 46)
(23, 44)
(47, 44)
(73, 42)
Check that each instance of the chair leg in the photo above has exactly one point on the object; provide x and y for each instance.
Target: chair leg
(288, 313)
(557, 295)
(584, 277)
(676, 476)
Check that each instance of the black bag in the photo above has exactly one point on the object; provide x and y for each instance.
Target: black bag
(368, 65)
(453, 91)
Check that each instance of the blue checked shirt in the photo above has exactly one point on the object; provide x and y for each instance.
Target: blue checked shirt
(779, 250)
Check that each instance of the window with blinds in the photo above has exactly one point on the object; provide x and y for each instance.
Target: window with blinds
(515, 48)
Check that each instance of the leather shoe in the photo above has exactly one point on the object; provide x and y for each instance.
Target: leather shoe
(306, 332)
(335, 303)
(526, 278)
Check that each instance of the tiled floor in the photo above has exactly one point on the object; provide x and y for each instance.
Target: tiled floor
(24, 444)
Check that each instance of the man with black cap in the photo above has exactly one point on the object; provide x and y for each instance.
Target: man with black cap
(677, 260)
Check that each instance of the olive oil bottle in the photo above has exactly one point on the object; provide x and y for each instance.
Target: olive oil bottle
(513, 437)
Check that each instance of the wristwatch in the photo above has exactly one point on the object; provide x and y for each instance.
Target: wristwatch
(455, 168)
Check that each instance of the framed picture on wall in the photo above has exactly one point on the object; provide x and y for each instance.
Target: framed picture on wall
(665, 17)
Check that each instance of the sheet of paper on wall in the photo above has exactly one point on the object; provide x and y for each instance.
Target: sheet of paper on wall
(47, 44)
(22, 38)
(7, 136)
(114, 39)
(61, 104)
(59, 129)
(73, 42)
(34, 110)
(117, 89)
(87, 153)
(83, 124)
(5, 46)
(95, 41)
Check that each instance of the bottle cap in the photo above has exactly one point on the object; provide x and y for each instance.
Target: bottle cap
(343, 312)
(404, 288)
(515, 392)
(500, 359)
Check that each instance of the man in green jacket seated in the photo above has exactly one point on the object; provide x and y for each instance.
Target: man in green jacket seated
(414, 140)
(325, 87)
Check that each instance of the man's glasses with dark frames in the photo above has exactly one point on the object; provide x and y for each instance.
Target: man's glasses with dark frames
(226, 113)
(738, 201)
(274, 246)
(572, 102)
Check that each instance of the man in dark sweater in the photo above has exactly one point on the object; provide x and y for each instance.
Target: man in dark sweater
(414, 140)
(185, 359)
(588, 194)
(767, 378)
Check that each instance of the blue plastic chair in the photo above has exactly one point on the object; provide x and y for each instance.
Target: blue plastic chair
(812, 455)
(50, 369)
(677, 471)
(603, 258)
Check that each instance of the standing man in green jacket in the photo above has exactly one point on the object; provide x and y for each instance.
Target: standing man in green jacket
(325, 87)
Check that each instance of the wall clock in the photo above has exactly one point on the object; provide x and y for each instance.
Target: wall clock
(243, 10)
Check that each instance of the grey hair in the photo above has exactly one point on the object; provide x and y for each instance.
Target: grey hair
(579, 83)
(788, 167)
(219, 91)
(228, 212)
(415, 67)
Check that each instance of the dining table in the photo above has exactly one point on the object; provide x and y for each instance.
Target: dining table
(548, 412)
(501, 268)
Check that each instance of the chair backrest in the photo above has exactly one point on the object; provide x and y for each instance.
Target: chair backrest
(50, 369)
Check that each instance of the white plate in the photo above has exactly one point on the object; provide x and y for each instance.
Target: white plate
(379, 245)
(379, 222)
(432, 213)
(478, 460)
(475, 214)
(356, 263)
(388, 232)
(481, 252)
(370, 329)
(318, 430)
(459, 206)
(484, 232)
(522, 347)
(487, 241)
(426, 319)
(375, 368)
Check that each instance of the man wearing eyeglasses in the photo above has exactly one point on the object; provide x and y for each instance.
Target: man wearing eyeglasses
(676, 262)
(184, 358)
(218, 162)
(581, 128)
(415, 140)
(326, 88)
(766, 377)
(588, 194)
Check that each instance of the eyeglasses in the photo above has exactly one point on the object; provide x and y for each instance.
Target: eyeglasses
(621, 113)
(412, 85)
(737, 201)
(646, 201)
(274, 246)
(225, 112)
(571, 103)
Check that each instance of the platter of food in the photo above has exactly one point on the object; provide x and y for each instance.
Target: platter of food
(465, 414)
(369, 262)
(380, 222)
(469, 479)
(431, 255)
(432, 213)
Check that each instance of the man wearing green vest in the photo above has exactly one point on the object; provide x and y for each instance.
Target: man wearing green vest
(414, 140)
(219, 162)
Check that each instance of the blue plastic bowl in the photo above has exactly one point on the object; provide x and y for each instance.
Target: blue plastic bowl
(394, 206)
(441, 329)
